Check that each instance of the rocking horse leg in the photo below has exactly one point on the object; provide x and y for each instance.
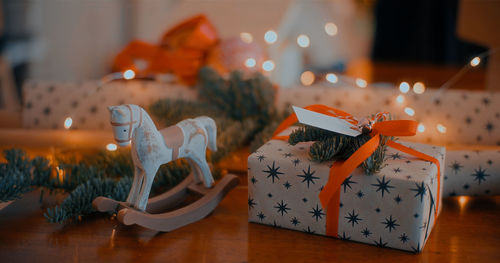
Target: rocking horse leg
(132, 195)
(196, 170)
(147, 182)
(205, 169)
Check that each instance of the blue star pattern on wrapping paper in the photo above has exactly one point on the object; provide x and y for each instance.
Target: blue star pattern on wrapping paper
(404, 238)
(353, 218)
(295, 221)
(395, 156)
(287, 185)
(309, 230)
(308, 176)
(261, 158)
(380, 243)
(456, 167)
(366, 232)
(261, 216)
(398, 199)
(344, 236)
(282, 208)
(317, 213)
(273, 172)
(479, 175)
(347, 183)
(420, 191)
(383, 185)
(251, 203)
(253, 180)
(390, 223)
(295, 162)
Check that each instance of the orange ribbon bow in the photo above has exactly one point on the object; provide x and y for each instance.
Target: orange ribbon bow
(330, 195)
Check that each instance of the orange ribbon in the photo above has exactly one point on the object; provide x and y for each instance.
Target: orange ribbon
(330, 195)
(182, 50)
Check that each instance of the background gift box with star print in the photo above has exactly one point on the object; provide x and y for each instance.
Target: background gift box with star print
(395, 208)
(466, 122)
(48, 104)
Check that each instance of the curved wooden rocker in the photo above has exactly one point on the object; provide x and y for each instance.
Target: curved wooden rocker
(151, 148)
(154, 219)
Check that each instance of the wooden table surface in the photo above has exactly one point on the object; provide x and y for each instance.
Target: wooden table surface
(466, 231)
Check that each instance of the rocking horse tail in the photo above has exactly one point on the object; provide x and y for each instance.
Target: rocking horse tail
(209, 125)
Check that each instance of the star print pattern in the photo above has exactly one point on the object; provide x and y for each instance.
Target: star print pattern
(383, 186)
(272, 172)
(364, 214)
(474, 175)
(353, 218)
(308, 176)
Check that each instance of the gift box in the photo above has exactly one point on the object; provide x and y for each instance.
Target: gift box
(472, 173)
(396, 207)
(47, 104)
(470, 134)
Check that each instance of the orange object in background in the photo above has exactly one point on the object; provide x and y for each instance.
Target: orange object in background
(182, 51)
(141, 57)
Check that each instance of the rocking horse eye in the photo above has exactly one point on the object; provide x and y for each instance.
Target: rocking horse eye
(125, 130)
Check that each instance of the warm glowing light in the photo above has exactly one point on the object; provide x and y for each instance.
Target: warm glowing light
(331, 29)
(361, 83)
(404, 87)
(400, 99)
(419, 87)
(332, 78)
(60, 174)
(475, 61)
(111, 147)
(462, 201)
(246, 37)
(303, 41)
(128, 74)
(420, 128)
(409, 111)
(68, 122)
(307, 78)
(441, 128)
(250, 63)
(270, 37)
(268, 65)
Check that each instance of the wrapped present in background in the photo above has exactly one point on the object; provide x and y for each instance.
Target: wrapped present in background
(394, 208)
(466, 122)
(48, 104)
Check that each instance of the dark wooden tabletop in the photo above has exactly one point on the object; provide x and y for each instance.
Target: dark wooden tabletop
(467, 231)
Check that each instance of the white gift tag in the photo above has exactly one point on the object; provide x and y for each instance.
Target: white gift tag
(325, 122)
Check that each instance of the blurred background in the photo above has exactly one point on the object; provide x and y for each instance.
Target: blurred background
(378, 40)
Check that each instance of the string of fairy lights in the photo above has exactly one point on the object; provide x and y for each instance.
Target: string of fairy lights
(307, 78)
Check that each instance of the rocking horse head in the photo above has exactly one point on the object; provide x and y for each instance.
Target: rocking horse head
(125, 119)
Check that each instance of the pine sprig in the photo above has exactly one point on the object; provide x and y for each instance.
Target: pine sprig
(79, 201)
(331, 146)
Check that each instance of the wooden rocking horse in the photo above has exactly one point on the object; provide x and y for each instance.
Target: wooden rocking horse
(151, 148)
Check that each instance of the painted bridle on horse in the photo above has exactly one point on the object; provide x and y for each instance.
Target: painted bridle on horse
(130, 124)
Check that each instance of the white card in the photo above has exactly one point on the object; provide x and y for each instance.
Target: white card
(326, 122)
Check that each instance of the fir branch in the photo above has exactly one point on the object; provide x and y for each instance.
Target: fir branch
(331, 146)
(79, 201)
(309, 133)
(238, 97)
